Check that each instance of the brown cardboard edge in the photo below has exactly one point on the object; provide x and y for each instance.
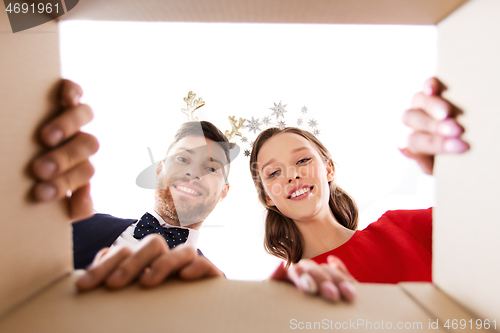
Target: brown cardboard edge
(450, 12)
(439, 305)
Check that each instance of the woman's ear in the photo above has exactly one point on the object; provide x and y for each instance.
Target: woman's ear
(330, 171)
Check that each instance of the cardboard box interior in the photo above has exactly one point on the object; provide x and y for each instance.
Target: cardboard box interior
(36, 251)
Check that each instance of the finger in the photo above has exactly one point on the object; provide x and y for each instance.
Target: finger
(344, 282)
(434, 106)
(66, 124)
(152, 246)
(419, 120)
(101, 268)
(100, 255)
(70, 93)
(302, 280)
(329, 291)
(64, 158)
(168, 264)
(58, 187)
(432, 86)
(80, 204)
(199, 268)
(319, 274)
(347, 290)
(429, 144)
(426, 162)
(336, 262)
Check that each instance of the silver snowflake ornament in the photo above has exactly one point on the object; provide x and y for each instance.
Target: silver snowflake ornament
(246, 153)
(244, 139)
(304, 109)
(313, 123)
(316, 132)
(253, 125)
(299, 121)
(266, 121)
(281, 124)
(278, 110)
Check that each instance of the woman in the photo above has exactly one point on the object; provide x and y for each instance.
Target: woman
(310, 217)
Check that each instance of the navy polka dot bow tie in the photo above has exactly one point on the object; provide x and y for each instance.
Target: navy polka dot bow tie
(148, 224)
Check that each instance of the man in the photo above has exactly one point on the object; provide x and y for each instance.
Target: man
(435, 131)
(190, 181)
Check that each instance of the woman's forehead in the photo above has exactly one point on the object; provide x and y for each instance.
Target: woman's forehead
(282, 145)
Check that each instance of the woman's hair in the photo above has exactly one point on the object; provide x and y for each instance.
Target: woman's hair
(282, 237)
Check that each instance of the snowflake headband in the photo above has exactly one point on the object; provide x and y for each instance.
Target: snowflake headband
(253, 125)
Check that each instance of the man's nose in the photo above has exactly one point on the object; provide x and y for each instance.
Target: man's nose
(193, 172)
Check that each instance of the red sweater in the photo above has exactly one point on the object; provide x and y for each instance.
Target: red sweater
(396, 248)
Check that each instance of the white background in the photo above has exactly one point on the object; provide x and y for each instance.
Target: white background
(355, 80)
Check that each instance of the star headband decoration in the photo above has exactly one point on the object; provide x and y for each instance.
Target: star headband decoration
(256, 125)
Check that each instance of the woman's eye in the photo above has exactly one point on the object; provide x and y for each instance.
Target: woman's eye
(212, 169)
(304, 160)
(274, 174)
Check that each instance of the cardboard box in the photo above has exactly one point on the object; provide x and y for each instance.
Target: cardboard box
(36, 287)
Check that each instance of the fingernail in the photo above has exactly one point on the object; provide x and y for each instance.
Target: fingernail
(116, 276)
(428, 90)
(85, 281)
(55, 136)
(449, 128)
(308, 284)
(45, 191)
(348, 290)
(76, 100)
(46, 168)
(441, 113)
(148, 272)
(455, 146)
(330, 292)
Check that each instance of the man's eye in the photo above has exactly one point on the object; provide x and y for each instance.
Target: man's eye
(212, 169)
(304, 160)
(181, 159)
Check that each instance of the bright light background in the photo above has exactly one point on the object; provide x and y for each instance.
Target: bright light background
(355, 80)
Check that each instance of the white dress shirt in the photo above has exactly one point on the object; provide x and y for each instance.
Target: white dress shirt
(127, 237)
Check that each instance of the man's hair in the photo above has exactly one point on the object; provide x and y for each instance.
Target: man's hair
(205, 129)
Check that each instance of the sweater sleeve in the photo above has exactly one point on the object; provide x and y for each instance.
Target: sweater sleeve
(417, 223)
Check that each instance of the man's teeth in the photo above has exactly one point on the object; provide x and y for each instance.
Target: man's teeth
(187, 190)
(300, 192)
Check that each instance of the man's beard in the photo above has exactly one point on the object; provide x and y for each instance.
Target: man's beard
(182, 210)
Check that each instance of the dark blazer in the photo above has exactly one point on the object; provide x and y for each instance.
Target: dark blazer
(93, 234)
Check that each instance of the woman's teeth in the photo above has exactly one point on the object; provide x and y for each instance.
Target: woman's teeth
(300, 192)
(187, 190)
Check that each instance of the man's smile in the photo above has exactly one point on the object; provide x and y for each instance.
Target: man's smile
(187, 189)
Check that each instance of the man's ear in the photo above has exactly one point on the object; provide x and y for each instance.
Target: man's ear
(330, 173)
(269, 201)
(159, 168)
(223, 194)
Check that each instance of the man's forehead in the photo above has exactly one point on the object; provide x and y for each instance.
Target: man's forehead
(199, 145)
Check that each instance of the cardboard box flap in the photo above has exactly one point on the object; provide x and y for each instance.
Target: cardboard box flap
(268, 11)
(213, 305)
